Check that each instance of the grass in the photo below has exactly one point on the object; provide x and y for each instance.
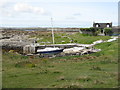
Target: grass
(97, 70)
(67, 37)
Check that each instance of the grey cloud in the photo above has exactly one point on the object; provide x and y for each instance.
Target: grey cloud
(77, 14)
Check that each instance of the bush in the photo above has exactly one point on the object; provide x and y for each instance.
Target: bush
(92, 29)
(108, 31)
(75, 41)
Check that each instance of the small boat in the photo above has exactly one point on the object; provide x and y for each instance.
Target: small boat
(50, 50)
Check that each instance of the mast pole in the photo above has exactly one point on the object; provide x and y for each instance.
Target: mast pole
(52, 31)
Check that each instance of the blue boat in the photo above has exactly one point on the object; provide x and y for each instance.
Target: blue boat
(50, 50)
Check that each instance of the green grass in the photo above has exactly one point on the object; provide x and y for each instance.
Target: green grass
(76, 37)
(97, 70)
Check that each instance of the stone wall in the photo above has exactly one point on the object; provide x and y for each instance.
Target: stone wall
(29, 49)
(116, 30)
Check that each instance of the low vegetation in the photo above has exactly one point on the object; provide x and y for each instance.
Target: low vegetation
(96, 70)
(94, 31)
(62, 38)
(108, 31)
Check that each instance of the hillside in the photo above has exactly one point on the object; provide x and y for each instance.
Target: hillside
(97, 70)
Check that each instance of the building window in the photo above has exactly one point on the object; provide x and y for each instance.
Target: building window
(97, 25)
(108, 25)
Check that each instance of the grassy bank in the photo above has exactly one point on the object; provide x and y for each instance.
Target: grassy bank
(67, 37)
(97, 70)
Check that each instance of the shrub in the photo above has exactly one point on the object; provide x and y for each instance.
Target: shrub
(92, 29)
(75, 41)
(108, 31)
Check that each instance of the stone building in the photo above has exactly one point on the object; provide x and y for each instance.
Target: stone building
(115, 29)
(102, 26)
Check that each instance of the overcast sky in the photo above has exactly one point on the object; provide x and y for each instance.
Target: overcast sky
(65, 13)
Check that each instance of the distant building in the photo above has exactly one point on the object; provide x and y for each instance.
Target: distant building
(101, 26)
(115, 29)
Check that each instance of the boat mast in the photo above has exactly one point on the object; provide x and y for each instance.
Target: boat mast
(52, 32)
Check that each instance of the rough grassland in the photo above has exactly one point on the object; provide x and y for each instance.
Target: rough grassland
(67, 37)
(97, 70)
